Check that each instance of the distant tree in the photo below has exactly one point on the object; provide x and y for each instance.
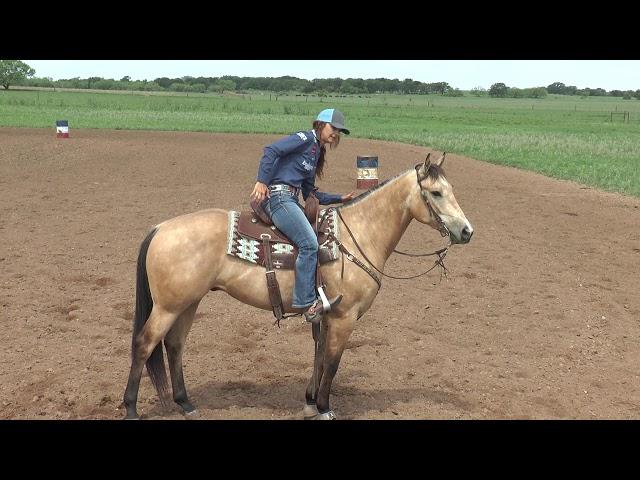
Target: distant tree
(616, 93)
(597, 92)
(309, 88)
(454, 92)
(126, 78)
(570, 90)
(498, 90)
(43, 82)
(222, 85)
(538, 92)
(178, 87)
(105, 84)
(478, 91)
(557, 88)
(439, 87)
(164, 82)
(91, 80)
(198, 87)
(13, 72)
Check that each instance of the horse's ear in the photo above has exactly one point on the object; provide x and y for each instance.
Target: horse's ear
(440, 161)
(427, 163)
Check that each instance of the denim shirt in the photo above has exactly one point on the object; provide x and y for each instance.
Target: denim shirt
(293, 160)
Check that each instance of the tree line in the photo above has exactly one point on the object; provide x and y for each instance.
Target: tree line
(501, 90)
(17, 73)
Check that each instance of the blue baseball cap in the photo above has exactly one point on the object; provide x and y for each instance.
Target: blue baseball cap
(334, 117)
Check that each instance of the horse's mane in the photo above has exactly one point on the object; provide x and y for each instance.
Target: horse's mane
(434, 173)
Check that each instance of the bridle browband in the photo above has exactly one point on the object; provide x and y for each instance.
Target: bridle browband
(442, 228)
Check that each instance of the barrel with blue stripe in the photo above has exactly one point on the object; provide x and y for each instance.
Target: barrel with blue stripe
(367, 171)
(62, 128)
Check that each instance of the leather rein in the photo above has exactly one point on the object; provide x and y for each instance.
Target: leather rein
(441, 253)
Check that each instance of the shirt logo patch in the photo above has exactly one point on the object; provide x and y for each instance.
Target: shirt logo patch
(302, 136)
(307, 166)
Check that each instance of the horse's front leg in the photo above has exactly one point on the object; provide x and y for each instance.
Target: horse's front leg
(338, 330)
(311, 395)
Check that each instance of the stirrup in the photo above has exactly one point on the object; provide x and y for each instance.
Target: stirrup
(316, 316)
(327, 304)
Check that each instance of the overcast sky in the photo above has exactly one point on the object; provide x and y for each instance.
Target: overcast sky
(462, 74)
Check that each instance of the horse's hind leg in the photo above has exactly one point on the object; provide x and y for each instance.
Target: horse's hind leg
(155, 328)
(174, 343)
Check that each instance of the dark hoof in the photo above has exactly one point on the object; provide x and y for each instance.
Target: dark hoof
(186, 406)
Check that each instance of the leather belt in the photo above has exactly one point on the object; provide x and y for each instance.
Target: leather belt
(283, 187)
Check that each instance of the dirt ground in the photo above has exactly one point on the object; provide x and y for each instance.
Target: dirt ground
(539, 318)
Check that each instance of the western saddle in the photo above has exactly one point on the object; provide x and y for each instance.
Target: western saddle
(273, 250)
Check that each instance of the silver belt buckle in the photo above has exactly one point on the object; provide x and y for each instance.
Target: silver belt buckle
(282, 187)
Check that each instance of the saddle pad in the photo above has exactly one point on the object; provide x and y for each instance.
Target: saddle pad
(283, 254)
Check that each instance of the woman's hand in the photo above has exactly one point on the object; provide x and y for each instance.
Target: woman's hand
(260, 192)
(348, 196)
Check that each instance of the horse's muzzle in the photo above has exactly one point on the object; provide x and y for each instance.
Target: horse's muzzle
(466, 234)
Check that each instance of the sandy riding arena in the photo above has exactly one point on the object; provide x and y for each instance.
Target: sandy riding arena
(539, 318)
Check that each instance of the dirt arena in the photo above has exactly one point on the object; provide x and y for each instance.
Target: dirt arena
(539, 318)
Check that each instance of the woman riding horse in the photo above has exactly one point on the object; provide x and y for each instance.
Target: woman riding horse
(184, 258)
(287, 167)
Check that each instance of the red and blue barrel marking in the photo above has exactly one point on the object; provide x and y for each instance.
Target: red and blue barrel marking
(367, 171)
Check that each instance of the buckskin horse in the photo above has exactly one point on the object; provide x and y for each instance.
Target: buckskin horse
(185, 257)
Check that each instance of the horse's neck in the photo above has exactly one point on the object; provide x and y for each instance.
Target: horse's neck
(379, 220)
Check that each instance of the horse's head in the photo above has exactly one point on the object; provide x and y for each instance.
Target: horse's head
(435, 204)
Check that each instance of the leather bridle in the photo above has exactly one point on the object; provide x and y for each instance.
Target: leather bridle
(442, 228)
(441, 253)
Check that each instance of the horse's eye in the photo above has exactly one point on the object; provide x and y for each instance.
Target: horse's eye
(436, 194)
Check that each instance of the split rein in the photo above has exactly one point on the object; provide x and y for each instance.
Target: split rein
(439, 261)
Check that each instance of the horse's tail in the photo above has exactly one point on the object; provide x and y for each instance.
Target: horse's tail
(144, 305)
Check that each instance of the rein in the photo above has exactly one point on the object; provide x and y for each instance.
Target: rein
(441, 253)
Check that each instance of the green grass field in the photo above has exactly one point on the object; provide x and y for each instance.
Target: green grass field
(564, 137)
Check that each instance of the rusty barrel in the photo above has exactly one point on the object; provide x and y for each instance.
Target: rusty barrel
(367, 166)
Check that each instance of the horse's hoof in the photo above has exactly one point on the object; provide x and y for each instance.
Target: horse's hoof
(192, 415)
(310, 411)
(325, 416)
(136, 417)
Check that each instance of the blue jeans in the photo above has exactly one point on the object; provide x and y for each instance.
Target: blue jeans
(288, 217)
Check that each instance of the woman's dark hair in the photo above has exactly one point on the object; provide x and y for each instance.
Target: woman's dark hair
(317, 126)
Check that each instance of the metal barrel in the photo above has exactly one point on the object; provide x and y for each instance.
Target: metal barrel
(367, 166)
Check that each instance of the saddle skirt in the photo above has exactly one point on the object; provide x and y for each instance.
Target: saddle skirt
(245, 241)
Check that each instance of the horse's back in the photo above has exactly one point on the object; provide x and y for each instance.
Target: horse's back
(202, 218)
(186, 254)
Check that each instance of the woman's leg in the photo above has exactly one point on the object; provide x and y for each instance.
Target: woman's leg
(288, 217)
